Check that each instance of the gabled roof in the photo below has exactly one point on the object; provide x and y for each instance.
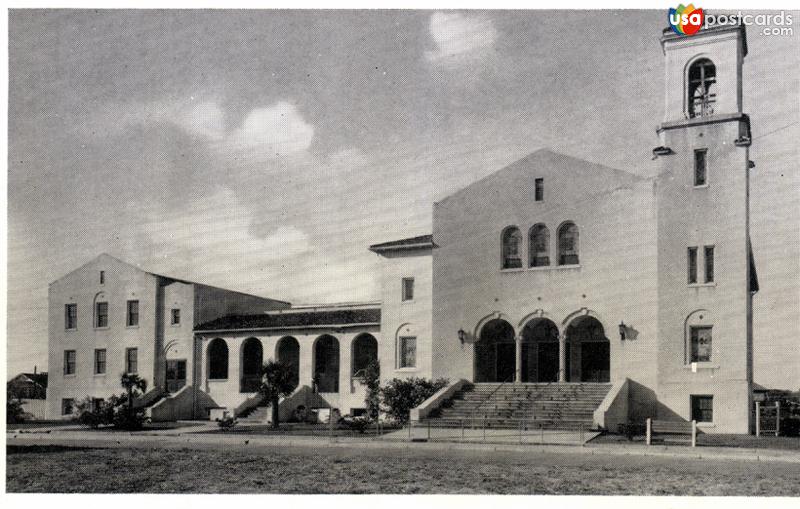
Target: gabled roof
(421, 241)
(169, 279)
(547, 160)
(289, 319)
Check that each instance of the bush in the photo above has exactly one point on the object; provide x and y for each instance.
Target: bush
(15, 414)
(372, 381)
(114, 412)
(359, 424)
(227, 422)
(400, 395)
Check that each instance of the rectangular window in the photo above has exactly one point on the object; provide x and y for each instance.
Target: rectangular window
(97, 404)
(692, 255)
(100, 361)
(133, 313)
(102, 277)
(175, 317)
(703, 408)
(67, 405)
(132, 360)
(700, 176)
(701, 344)
(408, 352)
(101, 314)
(709, 259)
(408, 288)
(69, 362)
(71, 316)
(539, 190)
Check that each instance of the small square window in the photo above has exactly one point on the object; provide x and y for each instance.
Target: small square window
(703, 408)
(408, 352)
(69, 362)
(709, 259)
(97, 404)
(701, 344)
(71, 316)
(67, 406)
(408, 288)
(692, 263)
(133, 313)
(101, 314)
(700, 167)
(132, 360)
(100, 361)
(539, 189)
(175, 317)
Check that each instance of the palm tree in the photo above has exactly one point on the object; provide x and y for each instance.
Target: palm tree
(131, 381)
(277, 380)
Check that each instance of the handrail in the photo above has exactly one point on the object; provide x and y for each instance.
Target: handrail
(510, 377)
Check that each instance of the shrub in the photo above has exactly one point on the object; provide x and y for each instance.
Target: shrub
(399, 395)
(359, 424)
(15, 414)
(116, 411)
(88, 414)
(227, 422)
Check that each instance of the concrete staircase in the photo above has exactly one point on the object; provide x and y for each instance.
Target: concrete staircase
(256, 415)
(532, 405)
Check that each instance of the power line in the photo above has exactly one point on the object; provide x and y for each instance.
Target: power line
(776, 130)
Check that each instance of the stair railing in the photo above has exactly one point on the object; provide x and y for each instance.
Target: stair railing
(474, 410)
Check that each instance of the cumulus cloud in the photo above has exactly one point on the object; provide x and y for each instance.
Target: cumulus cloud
(205, 119)
(273, 131)
(460, 38)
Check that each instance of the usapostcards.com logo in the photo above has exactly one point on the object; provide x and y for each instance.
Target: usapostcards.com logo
(686, 20)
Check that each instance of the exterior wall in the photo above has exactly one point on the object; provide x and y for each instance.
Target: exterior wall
(178, 339)
(615, 280)
(716, 214)
(226, 393)
(123, 282)
(409, 318)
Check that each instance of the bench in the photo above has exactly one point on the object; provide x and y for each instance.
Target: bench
(671, 428)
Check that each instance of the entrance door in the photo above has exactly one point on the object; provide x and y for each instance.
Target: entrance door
(595, 362)
(176, 375)
(506, 361)
(547, 362)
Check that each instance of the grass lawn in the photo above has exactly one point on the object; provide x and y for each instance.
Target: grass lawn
(741, 441)
(415, 470)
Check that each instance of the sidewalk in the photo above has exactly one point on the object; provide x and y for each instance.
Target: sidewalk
(186, 437)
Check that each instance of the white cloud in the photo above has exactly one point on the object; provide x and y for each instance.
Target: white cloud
(460, 38)
(205, 119)
(273, 131)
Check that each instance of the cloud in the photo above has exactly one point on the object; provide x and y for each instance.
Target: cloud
(273, 131)
(459, 38)
(205, 119)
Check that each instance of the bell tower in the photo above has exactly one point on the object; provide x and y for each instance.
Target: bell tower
(704, 270)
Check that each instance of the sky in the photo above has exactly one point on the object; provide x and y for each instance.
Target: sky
(264, 151)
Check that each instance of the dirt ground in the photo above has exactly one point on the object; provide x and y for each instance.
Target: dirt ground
(327, 470)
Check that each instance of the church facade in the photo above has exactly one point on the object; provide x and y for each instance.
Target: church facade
(553, 270)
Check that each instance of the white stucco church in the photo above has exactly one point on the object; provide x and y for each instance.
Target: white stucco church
(636, 293)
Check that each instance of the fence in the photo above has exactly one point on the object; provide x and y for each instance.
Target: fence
(482, 430)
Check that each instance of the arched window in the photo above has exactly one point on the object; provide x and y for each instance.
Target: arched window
(218, 360)
(568, 244)
(365, 352)
(539, 246)
(512, 248)
(252, 359)
(326, 363)
(701, 95)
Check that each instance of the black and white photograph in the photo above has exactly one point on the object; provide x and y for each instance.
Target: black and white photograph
(445, 250)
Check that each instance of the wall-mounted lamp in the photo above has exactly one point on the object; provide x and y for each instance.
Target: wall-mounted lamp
(623, 329)
(462, 335)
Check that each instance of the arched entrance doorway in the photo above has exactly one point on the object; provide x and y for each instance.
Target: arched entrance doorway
(218, 360)
(540, 351)
(326, 363)
(495, 352)
(252, 360)
(588, 351)
(287, 352)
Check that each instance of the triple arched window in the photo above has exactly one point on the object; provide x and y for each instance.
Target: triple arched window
(539, 246)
